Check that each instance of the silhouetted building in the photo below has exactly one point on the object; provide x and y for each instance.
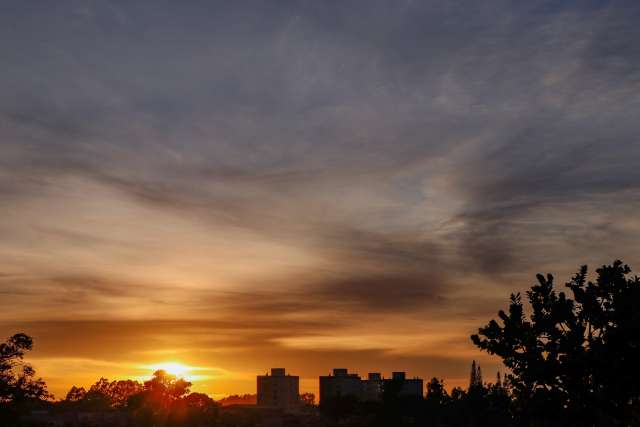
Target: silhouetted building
(345, 384)
(278, 390)
(372, 387)
(340, 384)
(412, 387)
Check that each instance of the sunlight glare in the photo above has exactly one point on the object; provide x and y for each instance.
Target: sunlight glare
(173, 368)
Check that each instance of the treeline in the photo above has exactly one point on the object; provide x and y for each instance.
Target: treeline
(163, 400)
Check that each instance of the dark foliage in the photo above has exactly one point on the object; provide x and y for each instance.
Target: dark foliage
(20, 389)
(573, 361)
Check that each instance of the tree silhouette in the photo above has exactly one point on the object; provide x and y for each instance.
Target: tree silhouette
(75, 394)
(307, 399)
(196, 409)
(436, 401)
(19, 387)
(17, 378)
(168, 385)
(475, 378)
(103, 395)
(573, 361)
(97, 398)
(121, 391)
(436, 393)
(162, 401)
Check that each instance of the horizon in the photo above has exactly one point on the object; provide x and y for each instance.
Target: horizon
(229, 186)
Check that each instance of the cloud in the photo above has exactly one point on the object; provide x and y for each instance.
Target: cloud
(276, 171)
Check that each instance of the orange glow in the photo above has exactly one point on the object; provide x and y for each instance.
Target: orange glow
(174, 368)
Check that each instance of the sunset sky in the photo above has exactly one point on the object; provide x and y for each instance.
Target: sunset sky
(239, 185)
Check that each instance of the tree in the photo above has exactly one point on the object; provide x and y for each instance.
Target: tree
(20, 389)
(97, 398)
(436, 393)
(436, 402)
(75, 394)
(475, 379)
(120, 391)
(18, 382)
(161, 401)
(167, 385)
(573, 361)
(307, 399)
(104, 395)
(457, 394)
(196, 409)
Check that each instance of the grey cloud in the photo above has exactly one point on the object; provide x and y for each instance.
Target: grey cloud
(423, 159)
(335, 125)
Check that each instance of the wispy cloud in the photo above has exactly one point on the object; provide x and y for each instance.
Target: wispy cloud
(250, 175)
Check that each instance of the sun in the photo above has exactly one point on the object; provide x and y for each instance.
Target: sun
(173, 368)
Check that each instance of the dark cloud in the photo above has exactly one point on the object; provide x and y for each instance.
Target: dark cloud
(309, 164)
(301, 97)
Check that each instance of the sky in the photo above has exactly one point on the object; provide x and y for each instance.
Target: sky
(240, 185)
